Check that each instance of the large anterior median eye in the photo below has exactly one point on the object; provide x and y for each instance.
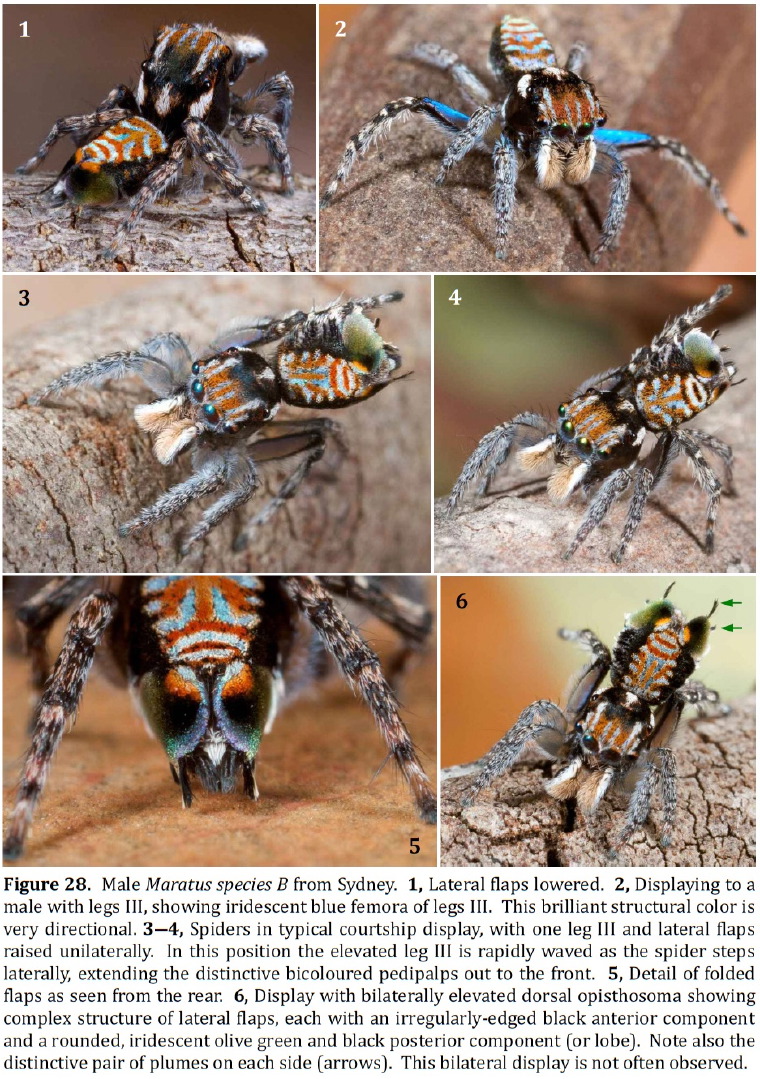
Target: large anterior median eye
(175, 707)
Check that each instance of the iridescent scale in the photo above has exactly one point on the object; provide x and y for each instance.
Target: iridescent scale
(668, 401)
(204, 621)
(128, 141)
(318, 378)
(523, 46)
(651, 668)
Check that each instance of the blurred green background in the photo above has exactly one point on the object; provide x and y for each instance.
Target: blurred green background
(502, 651)
(526, 342)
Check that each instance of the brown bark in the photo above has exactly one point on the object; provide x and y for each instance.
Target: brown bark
(76, 469)
(201, 234)
(515, 823)
(685, 72)
(504, 533)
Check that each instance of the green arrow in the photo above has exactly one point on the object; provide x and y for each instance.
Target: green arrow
(731, 602)
(731, 628)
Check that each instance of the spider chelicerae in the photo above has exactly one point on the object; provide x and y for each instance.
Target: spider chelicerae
(215, 405)
(210, 661)
(597, 443)
(541, 115)
(618, 737)
(180, 118)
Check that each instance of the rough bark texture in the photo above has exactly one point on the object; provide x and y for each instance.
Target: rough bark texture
(515, 823)
(198, 234)
(670, 70)
(507, 534)
(76, 469)
(110, 800)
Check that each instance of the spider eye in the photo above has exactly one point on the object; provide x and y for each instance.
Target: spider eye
(584, 130)
(601, 121)
(603, 453)
(568, 428)
(561, 130)
(590, 743)
(562, 410)
(206, 84)
(197, 389)
(211, 413)
(542, 125)
(584, 445)
(196, 368)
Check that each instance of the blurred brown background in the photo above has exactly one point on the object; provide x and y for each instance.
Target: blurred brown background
(525, 343)
(76, 53)
(502, 652)
(326, 798)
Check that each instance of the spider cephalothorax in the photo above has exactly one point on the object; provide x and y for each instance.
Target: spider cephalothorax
(597, 442)
(179, 119)
(616, 737)
(540, 115)
(211, 661)
(216, 405)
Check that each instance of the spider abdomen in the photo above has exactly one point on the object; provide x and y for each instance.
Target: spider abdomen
(317, 379)
(114, 165)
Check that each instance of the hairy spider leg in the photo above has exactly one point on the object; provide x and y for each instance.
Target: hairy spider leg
(154, 186)
(620, 193)
(658, 766)
(466, 81)
(162, 363)
(37, 616)
(253, 129)
(491, 453)
(691, 318)
(361, 669)
(244, 480)
(120, 104)
(470, 136)
(317, 432)
(506, 169)
(302, 324)
(57, 709)
(208, 477)
(631, 141)
(541, 726)
(449, 119)
(612, 488)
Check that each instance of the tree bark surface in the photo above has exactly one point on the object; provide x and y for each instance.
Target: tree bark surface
(505, 533)
(75, 469)
(515, 822)
(685, 72)
(210, 232)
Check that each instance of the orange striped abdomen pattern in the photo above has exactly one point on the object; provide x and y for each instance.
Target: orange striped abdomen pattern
(667, 401)
(129, 141)
(317, 378)
(203, 621)
(651, 668)
(523, 46)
